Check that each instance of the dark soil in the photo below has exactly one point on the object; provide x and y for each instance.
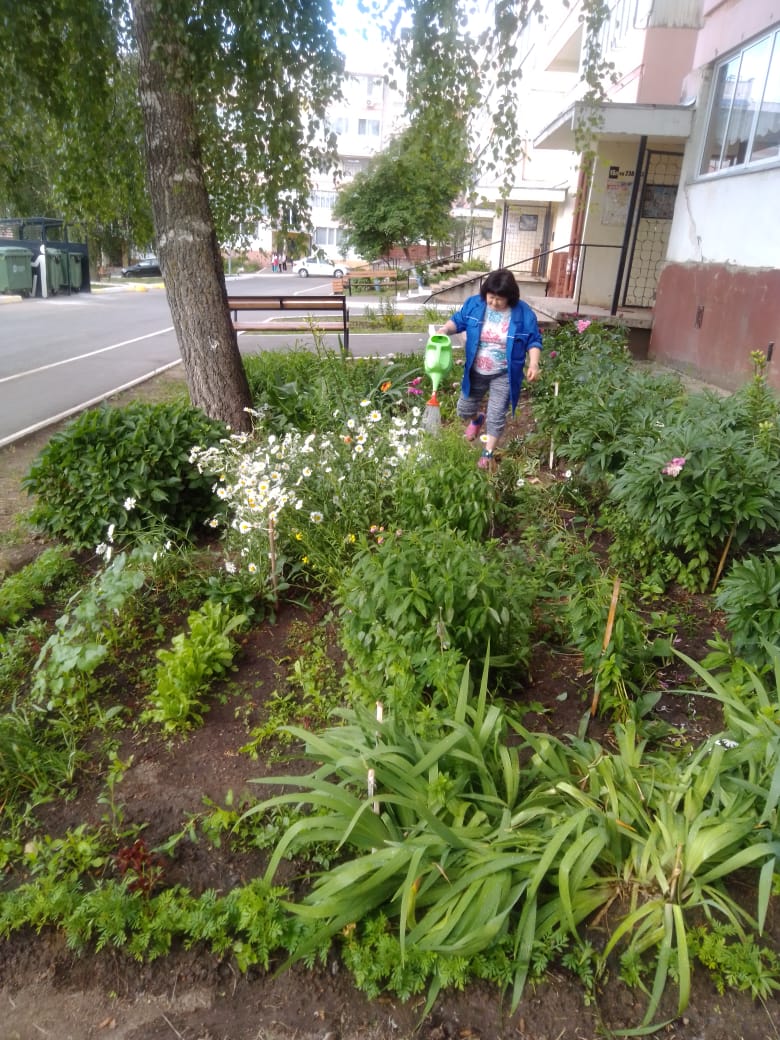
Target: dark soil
(48, 991)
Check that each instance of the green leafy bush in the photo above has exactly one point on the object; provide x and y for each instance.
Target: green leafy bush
(604, 409)
(22, 592)
(704, 484)
(417, 606)
(194, 661)
(123, 466)
(304, 391)
(749, 596)
(439, 485)
(65, 672)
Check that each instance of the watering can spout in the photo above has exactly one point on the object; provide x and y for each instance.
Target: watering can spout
(438, 358)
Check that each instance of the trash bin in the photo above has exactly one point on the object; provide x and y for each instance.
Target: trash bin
(74, 269)
(15, 270)
(56, 276)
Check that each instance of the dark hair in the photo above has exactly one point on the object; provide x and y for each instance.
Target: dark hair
(501, 283)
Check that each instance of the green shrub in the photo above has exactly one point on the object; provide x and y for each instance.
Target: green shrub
(438, 484)
(749, 595)
(304, 391)
(22, 592)
(422, 602)
(123, 466)
(706, 483)
(195, 660)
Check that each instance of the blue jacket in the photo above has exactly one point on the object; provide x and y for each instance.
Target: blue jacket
(523, 333)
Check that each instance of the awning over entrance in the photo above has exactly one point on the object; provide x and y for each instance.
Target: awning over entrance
(611, 121)
(528, 194)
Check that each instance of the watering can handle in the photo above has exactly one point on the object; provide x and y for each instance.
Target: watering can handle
(433, 351)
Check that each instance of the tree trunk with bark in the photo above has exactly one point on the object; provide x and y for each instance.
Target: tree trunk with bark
(187, 243)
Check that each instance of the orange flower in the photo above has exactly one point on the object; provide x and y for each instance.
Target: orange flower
(385, 386)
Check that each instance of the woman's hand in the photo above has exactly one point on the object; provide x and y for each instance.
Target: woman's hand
(534, 371)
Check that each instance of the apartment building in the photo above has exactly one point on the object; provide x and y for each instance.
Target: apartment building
(363, 120)
(718, 294)
(674, 209)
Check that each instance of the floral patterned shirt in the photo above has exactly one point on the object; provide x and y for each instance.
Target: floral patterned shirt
(491, 353)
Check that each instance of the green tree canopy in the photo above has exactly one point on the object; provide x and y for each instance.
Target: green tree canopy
(406, 194)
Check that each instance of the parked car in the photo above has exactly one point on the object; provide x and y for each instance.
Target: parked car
(317, 266)
(148, 268)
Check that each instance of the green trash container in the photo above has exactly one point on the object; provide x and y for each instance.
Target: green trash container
(74, 270)
(15, 270)
(56, 275)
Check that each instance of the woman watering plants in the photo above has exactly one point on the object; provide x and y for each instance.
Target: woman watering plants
(501, 330)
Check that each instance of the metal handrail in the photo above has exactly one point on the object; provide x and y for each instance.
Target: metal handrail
(582, 247)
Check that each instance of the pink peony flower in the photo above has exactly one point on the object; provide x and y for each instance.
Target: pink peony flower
(582, 324)
(674, 468)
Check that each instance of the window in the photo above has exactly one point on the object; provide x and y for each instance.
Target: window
(744, 120)
(339, 125)
(368, 127)
(323, 199)
(351, 167)
(374, 86)
(328, 236)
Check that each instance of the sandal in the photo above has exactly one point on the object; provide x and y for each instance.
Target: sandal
(474, 427)
(486, 460)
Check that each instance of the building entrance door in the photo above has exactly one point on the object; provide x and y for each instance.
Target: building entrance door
(660, 181)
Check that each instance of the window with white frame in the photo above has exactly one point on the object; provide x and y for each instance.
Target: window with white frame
(743, 128)
(328, 236)
(323, 199)
(368, 127)
(374, 85)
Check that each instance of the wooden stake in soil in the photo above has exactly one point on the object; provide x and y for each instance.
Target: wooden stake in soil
(272, 555)
(605, 642)
(723, 556)
(552, 442)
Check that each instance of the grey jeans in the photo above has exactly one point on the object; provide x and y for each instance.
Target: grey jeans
(497, 389)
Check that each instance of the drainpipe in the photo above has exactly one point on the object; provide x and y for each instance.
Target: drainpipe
(640, 162)
(572, 265)
(504, 222)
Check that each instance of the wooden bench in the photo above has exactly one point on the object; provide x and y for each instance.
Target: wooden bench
(375, 280)
(308, 309)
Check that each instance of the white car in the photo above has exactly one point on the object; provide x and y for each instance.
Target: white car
(314, 265)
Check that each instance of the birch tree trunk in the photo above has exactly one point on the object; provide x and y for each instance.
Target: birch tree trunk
(187, 243)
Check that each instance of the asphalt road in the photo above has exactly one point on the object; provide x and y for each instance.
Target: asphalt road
(61, 355)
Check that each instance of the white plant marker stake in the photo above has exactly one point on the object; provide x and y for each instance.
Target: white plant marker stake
(552, 448)
(371, 773)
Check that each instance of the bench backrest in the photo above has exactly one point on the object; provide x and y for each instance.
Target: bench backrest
(288, 303)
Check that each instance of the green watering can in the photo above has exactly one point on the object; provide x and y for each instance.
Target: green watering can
(438, 359)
